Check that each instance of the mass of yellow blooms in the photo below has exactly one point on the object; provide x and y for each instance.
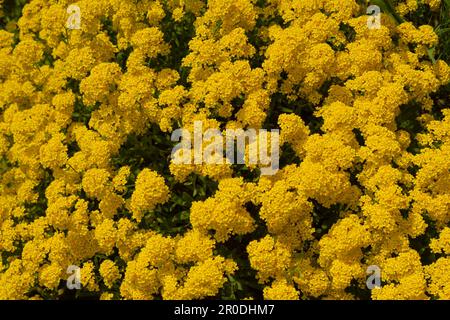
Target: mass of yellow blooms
(70, 99)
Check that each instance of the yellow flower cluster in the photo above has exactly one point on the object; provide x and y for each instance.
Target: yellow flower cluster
(359, 187)
(404, 7)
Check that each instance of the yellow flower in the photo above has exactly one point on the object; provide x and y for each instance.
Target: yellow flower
(150, 190)
(109, 273)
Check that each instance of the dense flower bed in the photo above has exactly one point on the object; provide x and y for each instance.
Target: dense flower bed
(86, 177)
